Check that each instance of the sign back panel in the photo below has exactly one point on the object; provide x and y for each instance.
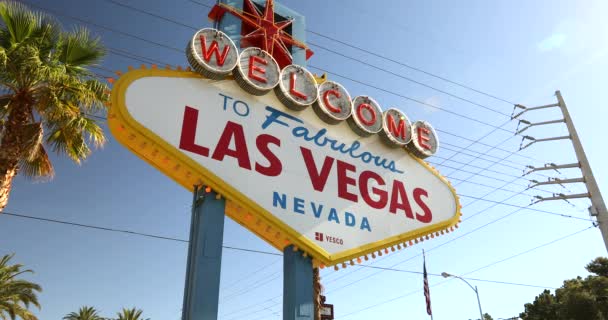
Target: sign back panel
(288, 176)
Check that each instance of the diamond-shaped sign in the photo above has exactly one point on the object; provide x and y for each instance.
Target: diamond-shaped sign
(288, 176)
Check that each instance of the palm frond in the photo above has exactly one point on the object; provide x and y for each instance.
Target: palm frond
(16, 295)
(20, 24)
(71, 137)
(78, 50)
(39, 167)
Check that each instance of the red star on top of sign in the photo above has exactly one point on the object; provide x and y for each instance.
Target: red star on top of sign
(261, 30)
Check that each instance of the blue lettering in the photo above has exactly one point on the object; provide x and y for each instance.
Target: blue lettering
(225, 99)
(298, 205)
(333, 215)
(365, 225)
(280, 199)
(242, 113)
(349, 219)
(316, 210)
(300, 132)
(274, 116)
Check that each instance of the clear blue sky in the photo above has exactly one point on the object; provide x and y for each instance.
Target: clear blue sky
(518, 50)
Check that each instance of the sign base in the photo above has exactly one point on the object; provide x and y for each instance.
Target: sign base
(297, 286)
(202, 289)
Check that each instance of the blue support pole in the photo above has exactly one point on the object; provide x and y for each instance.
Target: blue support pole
(202, 289)
(297, 286)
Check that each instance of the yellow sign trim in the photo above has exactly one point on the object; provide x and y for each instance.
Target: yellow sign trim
(186, 172)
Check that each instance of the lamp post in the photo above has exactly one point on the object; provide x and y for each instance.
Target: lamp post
(447, 275)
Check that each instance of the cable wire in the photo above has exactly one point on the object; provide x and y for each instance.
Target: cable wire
(410, 293)
(139, 10)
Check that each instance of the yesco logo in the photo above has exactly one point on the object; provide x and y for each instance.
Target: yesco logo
(213, 54)
(321, 237)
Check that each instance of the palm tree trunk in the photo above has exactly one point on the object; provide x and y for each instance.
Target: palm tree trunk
(11, 146)
(7, 173)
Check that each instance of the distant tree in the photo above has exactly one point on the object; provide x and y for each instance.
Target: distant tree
(46, 91)
(487, 317)
(577, 299)
(84, 313)
(16, 295)
(598, 266)
(130, 314)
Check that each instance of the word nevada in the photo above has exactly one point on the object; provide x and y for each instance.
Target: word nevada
(214, 55)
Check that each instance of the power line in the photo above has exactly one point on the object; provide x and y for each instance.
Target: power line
(151, 42)
(469, 151)
(126, 34)
(511, 257)
(129, 232)
(471, 279)
(259, 282)
(487, 200)
(410, 67)
(139, 10)
(410, 79)
(454, 113)
(527, 208)
(453, 239)
(375, 54)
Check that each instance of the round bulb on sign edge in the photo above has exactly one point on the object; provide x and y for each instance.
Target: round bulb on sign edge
(424, 142)
(297, 88)
(366, 117)
(333, 103)
(396, 128)
(256, 71)
(212, 53)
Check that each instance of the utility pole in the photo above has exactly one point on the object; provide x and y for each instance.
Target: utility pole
(598, 207)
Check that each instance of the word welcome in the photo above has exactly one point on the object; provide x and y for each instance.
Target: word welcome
(213, 54)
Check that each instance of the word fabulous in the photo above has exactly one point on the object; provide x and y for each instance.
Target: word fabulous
(213, 54)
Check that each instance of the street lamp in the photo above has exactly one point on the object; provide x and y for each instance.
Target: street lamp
(447, 275)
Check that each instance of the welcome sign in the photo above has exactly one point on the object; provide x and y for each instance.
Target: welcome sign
(305, 165)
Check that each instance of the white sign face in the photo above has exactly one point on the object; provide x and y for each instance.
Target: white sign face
(340, 193)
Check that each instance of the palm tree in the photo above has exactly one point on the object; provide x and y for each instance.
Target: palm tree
(16, 295)
(130, 314)
(46, 94)
(84, 313)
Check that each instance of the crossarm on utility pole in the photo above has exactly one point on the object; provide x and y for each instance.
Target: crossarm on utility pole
(530, 124)
(534, 140)
(555, 181)
(526, 109)
(551, 166)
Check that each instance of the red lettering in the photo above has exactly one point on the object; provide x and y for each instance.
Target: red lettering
(274, 167)
(329, 106)
(423, 137)
(186, 141)
(344, 181)
(257, 68)
(367, 122)
(428, 215)
(233, 130)
(364, 179)
(318, 179)
(397, 130)
(292, 87)
(206, 53)
(398, 194)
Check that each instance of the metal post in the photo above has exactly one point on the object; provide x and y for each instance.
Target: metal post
(297, 286)
(479, 303)
(202, 289)
(597, 202)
